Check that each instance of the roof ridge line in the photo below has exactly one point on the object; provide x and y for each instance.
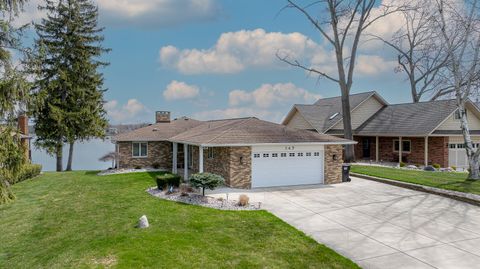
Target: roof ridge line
(339, 96)
(220, 134)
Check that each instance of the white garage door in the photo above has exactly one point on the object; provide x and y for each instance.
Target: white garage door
(287, 165)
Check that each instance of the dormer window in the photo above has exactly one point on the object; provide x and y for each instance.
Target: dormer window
(333, 116)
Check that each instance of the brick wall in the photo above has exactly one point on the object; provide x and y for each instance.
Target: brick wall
(358, 148)
(241, 167)
(158, 152)
(437, 150)
(333, 167)
(232, 163)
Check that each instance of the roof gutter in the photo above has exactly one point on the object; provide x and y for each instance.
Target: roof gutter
(348, 142)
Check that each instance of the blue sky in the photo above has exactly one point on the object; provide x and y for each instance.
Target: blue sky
(213, 59)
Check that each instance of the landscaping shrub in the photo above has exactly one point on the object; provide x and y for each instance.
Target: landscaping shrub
(28, 171)
(402, 164)
(243, 200)
(206, 181)
(454, 168)
(436, 166)
(138, 167)
(156, 165)
(168, 179)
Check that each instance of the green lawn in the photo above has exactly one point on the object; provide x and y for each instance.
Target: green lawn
(443, 180)
(80, 220)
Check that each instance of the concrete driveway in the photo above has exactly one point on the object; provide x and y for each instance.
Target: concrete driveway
(378, 225)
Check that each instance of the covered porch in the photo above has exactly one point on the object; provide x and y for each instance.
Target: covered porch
(424, 151)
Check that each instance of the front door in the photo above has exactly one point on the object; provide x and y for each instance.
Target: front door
(366, 148)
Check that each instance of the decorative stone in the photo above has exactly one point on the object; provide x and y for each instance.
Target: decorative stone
(143, 222)
(412, 167)
(429, 168)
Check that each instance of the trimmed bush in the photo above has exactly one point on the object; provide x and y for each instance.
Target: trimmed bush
(206, 181)
(402, 164)
(454, 168)
(28, 171)
(156, 165)
(165, 180)
(436, 166)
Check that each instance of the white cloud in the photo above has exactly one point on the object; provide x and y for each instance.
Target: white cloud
(144, 13)
(132, 111)
(269, 102)
(369, 65)
(235, 51)
(180, 90)
(157, 13)
(269, 95)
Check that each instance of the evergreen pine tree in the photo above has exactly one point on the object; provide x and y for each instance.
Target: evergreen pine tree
(13, 94)
(68, 83)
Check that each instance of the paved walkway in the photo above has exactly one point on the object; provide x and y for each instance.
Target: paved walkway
(378, 225)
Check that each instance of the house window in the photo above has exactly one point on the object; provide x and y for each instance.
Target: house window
(256, 155)
(458, 115)
(406, 145)
(283, 154)
(460, 146)
(452, 146)
(139, 149)
(210, 153)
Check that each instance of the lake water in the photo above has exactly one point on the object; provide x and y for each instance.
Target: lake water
(85, 156)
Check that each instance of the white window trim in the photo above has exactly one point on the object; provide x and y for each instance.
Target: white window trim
(403, 140)
(210, 153)
(139, 149)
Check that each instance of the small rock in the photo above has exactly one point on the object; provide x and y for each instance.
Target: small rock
(429, 168)
(412, 167)
(143, 222)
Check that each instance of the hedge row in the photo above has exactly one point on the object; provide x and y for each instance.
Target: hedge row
(28, 171)
(165, 180)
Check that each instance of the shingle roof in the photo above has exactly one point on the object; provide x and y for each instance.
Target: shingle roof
(415, 119)
(247, 131)
(159, 131)
(318, 114)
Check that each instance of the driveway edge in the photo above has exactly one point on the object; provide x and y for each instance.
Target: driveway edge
(459, 196)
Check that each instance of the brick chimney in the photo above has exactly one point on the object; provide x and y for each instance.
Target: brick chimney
(162, 116)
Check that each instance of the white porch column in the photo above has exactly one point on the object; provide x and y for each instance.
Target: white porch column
(185, 162)
(174, 158)
(200, 159)
(400, 148)
(426, 150)
(377, 147)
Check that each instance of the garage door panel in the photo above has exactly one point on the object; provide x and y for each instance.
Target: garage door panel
(269, 168)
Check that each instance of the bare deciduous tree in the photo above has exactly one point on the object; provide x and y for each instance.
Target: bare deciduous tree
(458, 23)
(420, 52)
(342, 26)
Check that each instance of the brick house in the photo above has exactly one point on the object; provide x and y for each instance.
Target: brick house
(429, 132)
(247, 152)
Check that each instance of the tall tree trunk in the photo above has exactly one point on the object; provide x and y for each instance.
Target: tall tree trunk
(347, 123)
(59, 154)
(472, 153)
(70, 157)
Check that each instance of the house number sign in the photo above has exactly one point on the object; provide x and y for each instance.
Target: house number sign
(289, 147)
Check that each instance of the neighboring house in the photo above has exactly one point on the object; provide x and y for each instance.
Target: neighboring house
(247, 152)
(429, 132)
